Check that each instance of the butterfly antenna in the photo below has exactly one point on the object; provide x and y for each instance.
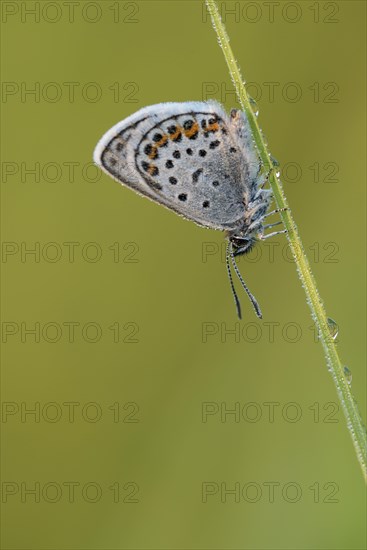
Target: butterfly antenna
(252, 298)
(234, 293)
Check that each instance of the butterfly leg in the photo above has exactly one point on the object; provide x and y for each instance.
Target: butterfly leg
(275, 211)
(264, 237)
(271, 225)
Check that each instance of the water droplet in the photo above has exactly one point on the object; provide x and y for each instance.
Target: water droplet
(275, 162)
(254, 106)
(333, 327)
(277, 174)
(348, 375)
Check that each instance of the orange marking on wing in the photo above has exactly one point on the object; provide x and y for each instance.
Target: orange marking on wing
(151, 169)
(176, 134)
(162, 141)
(193, 130)
(212, 127)
(153, 154)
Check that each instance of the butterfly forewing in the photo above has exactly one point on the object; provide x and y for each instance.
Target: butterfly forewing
(183, 156)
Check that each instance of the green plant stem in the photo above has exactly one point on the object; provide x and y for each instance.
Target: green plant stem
(349, 404)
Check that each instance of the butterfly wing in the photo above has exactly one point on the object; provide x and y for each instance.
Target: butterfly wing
(188, 157)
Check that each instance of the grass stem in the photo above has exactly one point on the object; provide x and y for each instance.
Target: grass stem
(335, 367)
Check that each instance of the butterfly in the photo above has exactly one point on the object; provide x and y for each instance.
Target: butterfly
(200, 162)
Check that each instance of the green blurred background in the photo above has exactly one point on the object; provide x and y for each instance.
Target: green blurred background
(133, 331)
